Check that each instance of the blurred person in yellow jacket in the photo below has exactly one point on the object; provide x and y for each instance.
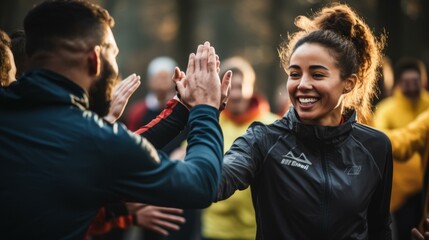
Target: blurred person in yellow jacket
(405, 142)
(408, 101)
(234, 218)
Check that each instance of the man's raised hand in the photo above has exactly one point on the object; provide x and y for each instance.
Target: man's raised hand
(201, 83)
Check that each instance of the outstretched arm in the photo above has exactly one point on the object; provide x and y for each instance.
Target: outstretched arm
(242, 161)
(424, 235)
(414, 137)
(139, 174)
(171, 121)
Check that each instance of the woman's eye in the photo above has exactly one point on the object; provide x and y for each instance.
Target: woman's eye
(293, 75)
(318, 75)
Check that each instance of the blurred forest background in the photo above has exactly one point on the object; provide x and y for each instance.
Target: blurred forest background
(252, 29)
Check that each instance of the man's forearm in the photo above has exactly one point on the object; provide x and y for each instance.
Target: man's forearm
(167, 125)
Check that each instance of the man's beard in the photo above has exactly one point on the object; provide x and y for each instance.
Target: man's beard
(100, 93)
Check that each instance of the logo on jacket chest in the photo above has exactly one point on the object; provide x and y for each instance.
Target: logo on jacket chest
(301, 161)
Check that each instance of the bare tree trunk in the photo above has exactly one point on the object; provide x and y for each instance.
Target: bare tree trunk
(274, 74)
(390, 18)
(187, 15)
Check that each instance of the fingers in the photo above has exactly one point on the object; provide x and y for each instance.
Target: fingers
(159, 230)
(217, 64)
(171, 210)
(176, 77)
(426, 227)
(198, 58)
(131, 87)
(177, 74)
(126, 88)
(163, 219)
(202, 84)
(181, 88)
(167, 225)
(212, 60)
(124, 82)
(171, 218)
(120, 96)
(204, 57)
(191, 64)
(225, 89)
(416, 234)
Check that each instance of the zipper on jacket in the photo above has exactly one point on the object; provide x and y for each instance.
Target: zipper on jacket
(325, 199)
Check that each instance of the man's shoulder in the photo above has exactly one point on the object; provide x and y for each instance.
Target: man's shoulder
(113, 138)
(97, 126)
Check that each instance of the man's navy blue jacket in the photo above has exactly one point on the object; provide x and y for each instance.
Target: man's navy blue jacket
(59, 162)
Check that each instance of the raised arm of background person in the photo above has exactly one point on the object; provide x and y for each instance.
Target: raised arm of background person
(414, 137)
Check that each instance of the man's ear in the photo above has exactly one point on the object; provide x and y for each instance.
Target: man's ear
(94, 61)
(350, 83)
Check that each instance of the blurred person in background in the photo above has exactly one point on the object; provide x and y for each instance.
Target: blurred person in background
(409, 100)
(161, 89)
(234, 218)
(281, 101)
(406, 141)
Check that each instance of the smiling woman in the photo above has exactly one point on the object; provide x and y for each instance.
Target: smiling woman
(339, 186)
(315, 86)
(349, 46)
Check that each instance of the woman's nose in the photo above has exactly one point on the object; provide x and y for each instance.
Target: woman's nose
(304, 83)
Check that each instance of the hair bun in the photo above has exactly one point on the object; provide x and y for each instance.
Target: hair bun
(339, 19)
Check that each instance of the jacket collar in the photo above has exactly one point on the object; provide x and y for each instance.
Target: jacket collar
(42, 87)
(319, 134)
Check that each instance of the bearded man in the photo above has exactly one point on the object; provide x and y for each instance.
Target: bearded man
(60, 162)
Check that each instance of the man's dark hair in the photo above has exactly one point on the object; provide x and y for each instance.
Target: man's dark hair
(18, 50)
(406, 64)
(74, 24)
